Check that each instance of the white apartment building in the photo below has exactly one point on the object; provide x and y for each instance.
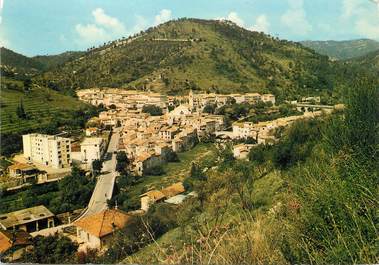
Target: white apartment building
(92, 149)
(48, 150)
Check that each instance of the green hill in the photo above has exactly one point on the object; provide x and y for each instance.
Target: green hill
(23, 65)
(369, 61)
(342, 50)
(199, 54)
(42, 105)
(52, 61)
(19, 63)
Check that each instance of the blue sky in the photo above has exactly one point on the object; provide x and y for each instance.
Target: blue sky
(36, 27)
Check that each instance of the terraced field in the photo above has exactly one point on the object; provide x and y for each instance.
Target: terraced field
(41, 106)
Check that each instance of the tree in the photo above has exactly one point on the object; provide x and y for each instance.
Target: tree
(27, 84)
(257, 154)
(20, 111)
(97, 165)
(209, 108)
(153, 110)
(51, 249)
(122, 162)
(156, 170)
(172, 156)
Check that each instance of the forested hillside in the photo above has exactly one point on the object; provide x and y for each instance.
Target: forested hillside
(370, 62)
(342, 50)
(201, 54)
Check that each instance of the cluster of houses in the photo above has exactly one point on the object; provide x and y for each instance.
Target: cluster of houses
(91, 232)
(262, 132)
(134, 100)
(148, 141)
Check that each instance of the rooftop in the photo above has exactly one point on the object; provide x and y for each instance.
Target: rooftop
(154, 195)
(103, 223)
(21, 166)
(92, 141)
(9, 239)
(24, 216)
(174, 189)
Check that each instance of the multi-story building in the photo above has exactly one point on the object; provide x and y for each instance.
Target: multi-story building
(92, 149)
(52, 151)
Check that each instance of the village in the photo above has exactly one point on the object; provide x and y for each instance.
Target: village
(150, 129)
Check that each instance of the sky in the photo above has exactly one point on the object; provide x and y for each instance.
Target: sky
(41, 27)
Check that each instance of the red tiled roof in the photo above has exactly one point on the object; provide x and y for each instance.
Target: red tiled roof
(103, 223)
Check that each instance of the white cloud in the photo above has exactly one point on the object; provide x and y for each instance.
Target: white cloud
(107, 21)
(103, 29)
(367, 28)
(90, 34)
(1, 4)
(141, 24)
(350, 8)
(233, 16)
(4, 42)
(261, 24)
(163, 16)
(362, 17)
(295, 18)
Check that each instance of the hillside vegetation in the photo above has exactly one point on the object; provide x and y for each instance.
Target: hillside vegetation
(342, 50)
(22, 65)
(201, 54)
(311, 198)
(36, 109)
(370, 62)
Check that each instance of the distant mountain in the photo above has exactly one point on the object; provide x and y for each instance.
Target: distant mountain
(342, 50)
(24, 65)
(52, 61)
(207, 55)
(369, 61)
(18, 62)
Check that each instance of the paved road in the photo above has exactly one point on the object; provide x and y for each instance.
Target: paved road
(105, 183)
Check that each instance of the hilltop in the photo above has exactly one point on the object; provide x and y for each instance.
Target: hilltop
(23, 65)
(203, 55)
(19, 63)
(342, 50)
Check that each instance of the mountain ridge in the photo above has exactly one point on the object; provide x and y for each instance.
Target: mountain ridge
(210, 56)
(343, 50)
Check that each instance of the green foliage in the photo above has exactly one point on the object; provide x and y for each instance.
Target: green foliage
(297, 145)
(258, 154)
(222, 57)
(51, 249)
(172, 156)
(343, 50)
(71, 193)
(97, 165)
(122, 162)
(209, 108)
(74, 191)
(157, 170)
(20, 111)
(152, 110)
